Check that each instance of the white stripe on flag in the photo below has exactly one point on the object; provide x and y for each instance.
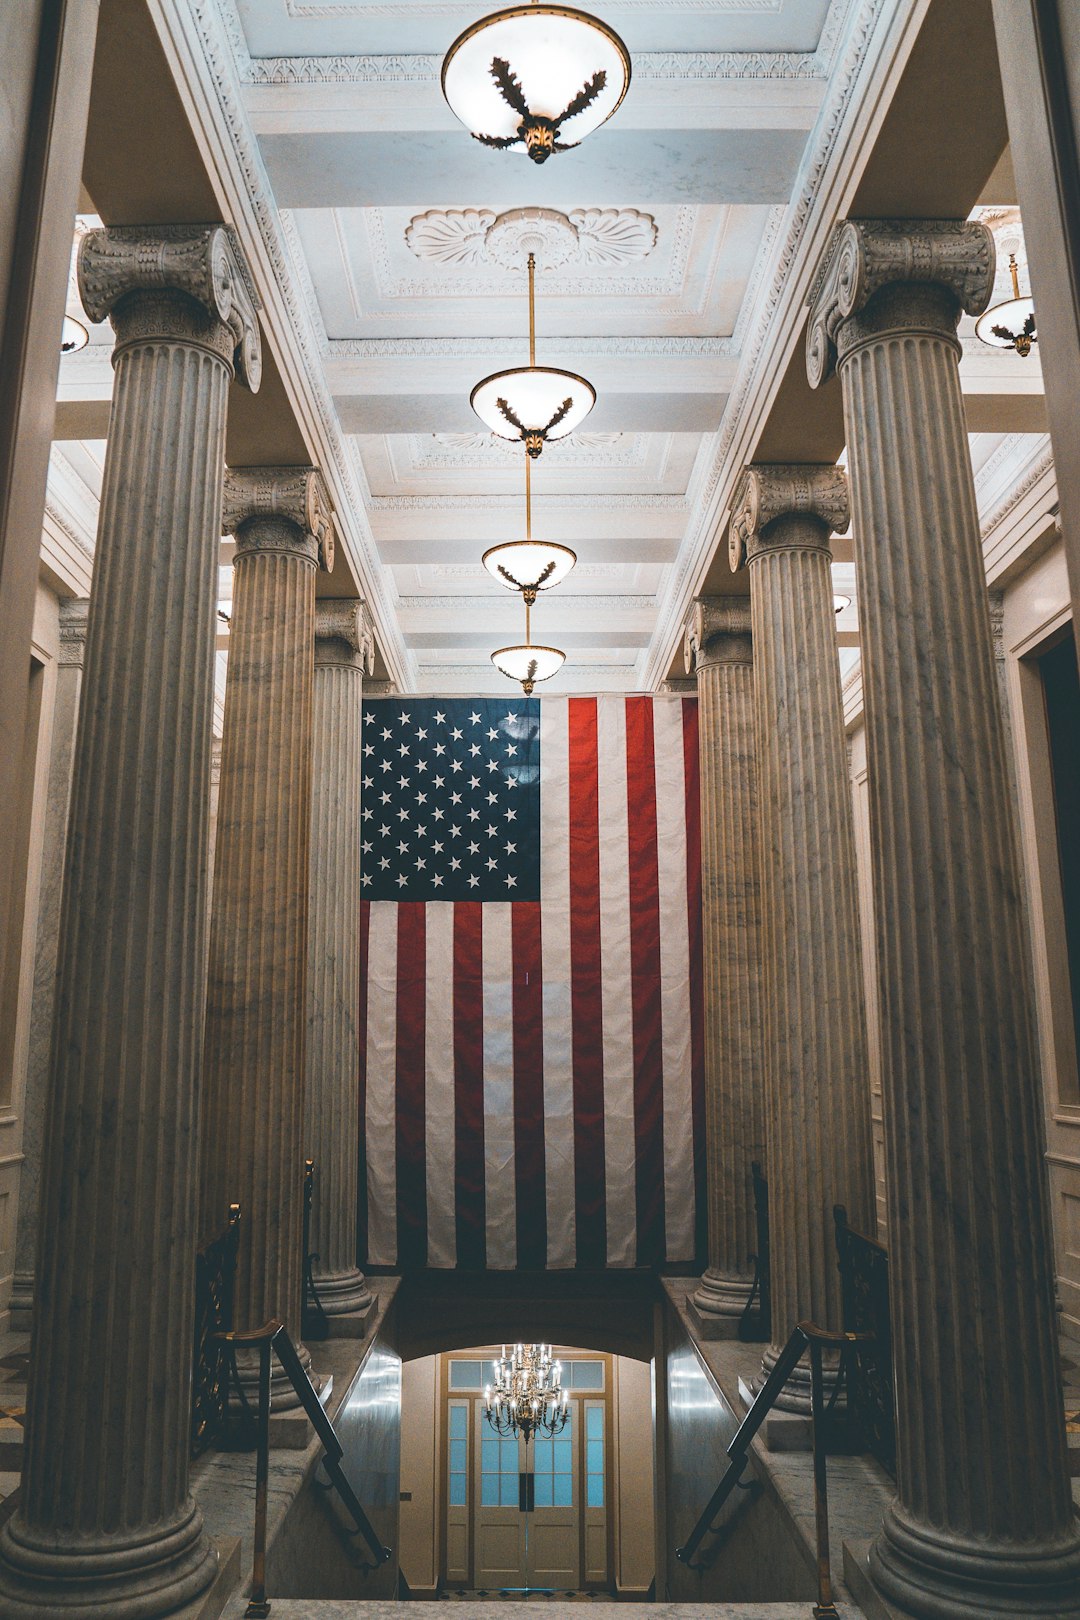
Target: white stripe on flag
(381, 1120)
(558, 1020)
(674, 977)
(620, 1142)
(439, 1085)
(499, 1165)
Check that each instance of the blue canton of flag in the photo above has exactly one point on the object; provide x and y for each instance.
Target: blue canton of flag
(451, 800)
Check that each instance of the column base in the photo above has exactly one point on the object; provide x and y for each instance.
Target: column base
(795, 1395)
(717, 1305)
(283, 1397)
(21, 1303)
(343, 1293)
(933, 1575)
(145, 1577)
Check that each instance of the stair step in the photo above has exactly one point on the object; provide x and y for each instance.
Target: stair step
(387, 1609)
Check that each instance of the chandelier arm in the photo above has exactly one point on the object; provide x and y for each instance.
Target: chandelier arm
(559, 414)
(509, 86)
(584, 98)
(503, 406)
(499, 142)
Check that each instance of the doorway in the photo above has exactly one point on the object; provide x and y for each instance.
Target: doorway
(527, 1515)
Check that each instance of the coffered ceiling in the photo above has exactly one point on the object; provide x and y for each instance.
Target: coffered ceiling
(674, 247)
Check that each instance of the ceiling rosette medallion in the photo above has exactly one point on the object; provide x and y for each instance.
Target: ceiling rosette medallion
(474, 236)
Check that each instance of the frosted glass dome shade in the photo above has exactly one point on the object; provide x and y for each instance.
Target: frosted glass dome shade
(535, 78)
(74, 336)
(529, 565)
(533, 403)
(528, 664)
(1009, 326)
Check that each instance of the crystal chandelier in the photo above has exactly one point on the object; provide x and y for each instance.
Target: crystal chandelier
(1010, 325)
(533, 403)
(537, 77)
(527, 1396)
(529, 565)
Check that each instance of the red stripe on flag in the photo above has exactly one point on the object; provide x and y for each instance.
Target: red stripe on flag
(411, 1019)
(529, 1084)
(361, 1081)
(470, 1211)
(697, 993)
(645, 981)
(586, 993)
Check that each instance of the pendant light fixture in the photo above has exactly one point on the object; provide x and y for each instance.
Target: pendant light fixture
(528, 662)
(74, 336)
(529, 565)
(533, 403)
(538, 78)
(1010, 325)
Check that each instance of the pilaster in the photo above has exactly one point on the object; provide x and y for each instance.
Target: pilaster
(719, 648)
(982, 1523)
(110, 1364)
(73, 621)
(252, 1124)
(816, 1083)
(344, 652)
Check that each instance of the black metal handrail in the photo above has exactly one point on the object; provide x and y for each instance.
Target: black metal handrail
(817, 1340)
(215, 1273)
(273, 1338)
(864, 1290)
(755, 1326)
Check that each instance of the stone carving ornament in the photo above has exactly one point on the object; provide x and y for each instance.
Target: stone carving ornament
(476, 236)
(717, 632)
(297, 494)
(866, 255)
(348, 621)
(198, 260)
(766, 492)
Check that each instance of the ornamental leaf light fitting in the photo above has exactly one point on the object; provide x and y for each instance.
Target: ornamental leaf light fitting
(528, 662)
(529, 565)
(1010, 325)
(538, 78)
(533, 403)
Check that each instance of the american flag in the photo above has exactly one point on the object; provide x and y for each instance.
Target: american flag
(531, 1088)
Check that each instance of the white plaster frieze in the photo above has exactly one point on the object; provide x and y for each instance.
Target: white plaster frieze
(464, 451)
(456, 239)
(512, 503)
(591, 348)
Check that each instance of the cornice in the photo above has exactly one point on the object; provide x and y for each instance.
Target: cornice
(649, 67)
(512, 503)
(569, 605)
(761, 359)
(206, 40)
(1043, 464)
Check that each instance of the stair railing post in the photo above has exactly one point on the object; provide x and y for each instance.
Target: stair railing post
(259, 1605)
(824, 1608)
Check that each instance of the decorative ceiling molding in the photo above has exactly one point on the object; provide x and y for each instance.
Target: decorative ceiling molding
(205, 34)
(547, 348)
(649, 66)
(477, 571)
(511, 502)
(779, 311)
(1040, 462)
(453, 8)
(472, 222)
(466, 451)
(567, 605)
(476, 236)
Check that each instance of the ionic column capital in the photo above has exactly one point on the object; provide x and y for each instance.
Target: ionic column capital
(816, 494)
(201, 261)
(866, 255)
(74, 614)
(344, 634)
(280, 509)
(718, 632)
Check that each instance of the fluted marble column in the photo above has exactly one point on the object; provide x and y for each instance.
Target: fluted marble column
(253, 1071)
(982, 1523)
(817, 1086)
(719, 648)
(73, 618)
(344, 649)
(106, 1526)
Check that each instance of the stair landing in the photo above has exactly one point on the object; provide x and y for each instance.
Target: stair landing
(387, 1609)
